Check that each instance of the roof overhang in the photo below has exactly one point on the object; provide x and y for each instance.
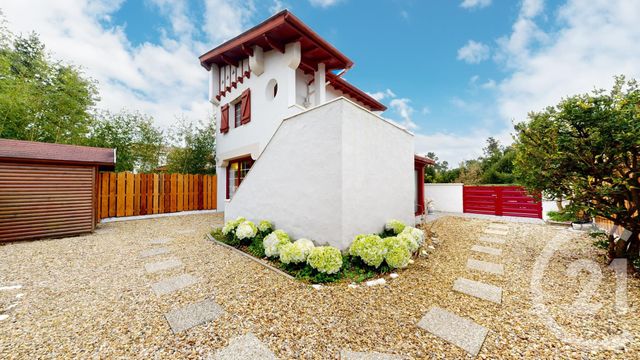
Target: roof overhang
(274, 33)
(341, 84)
(422, 160)
(31, 151)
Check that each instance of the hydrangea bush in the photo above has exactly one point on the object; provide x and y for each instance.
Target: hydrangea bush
(274, 241)
(325, 259)
(397, 255)
(417, 234)
(246, 230)
(296, 252)
(265, 227)
(369, 248)
(396, 226)
(408, 241)
(231, 225)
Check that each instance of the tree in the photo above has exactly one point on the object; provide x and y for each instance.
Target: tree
(41, 99)
(434, 173)
(138, 143)
(587, 148)
(194, 148)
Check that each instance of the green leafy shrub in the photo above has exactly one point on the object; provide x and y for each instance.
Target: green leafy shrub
(325, 259)
(561, 216)
(601, 239)
(256, 248)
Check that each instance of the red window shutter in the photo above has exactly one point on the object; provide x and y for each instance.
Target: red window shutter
(224, 123)
(245, 106)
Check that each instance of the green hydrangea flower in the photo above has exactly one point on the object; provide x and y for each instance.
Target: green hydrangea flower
(265, 226)
(325, 259)
(290, 253)
(370, 248)
(246, 230)
(417, 234)
(397, 255)
(231, 225)
(409, 242)
(274, 241)
(395, 225)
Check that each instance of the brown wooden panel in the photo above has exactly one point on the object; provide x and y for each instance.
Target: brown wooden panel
(185, 192)
(47, 206)
(214, 192)
(160, 193)
(120, 195)
(136, 194)
(155, 178)
(129, 194)
(179, 197)
(167, 193)
(200, 194)
(174, 192)
(104, 195)
(149, 193)
(143, 194)
(192, 192)
(112, 194)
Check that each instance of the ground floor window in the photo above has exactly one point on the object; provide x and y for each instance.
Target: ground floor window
(236, 171)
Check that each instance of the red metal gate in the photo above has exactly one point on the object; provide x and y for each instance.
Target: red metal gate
(501, 201)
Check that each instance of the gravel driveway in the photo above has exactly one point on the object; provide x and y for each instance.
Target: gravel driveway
(90, 296)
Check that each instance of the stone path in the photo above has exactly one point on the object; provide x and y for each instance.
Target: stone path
(352, 355)
(485, 266)
(154, 252)
(162, 265)
(192, 315)
(159, 241)
(457, 330)
(172, 284)
(244, 347)
(460, 331)
(487, 250)
(479, 289)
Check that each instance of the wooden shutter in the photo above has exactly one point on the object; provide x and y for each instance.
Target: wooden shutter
(245, 107)
(224, 124)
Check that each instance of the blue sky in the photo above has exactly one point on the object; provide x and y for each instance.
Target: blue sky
(454, 72)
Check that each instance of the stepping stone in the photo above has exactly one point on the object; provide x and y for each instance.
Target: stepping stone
(352, 355)
(162, 265)
(492, 240)
(159, 241)
(457, 330)
(188, 231)
(498, 226)
(496, 232)
(245, 347)
(153, 252)
(485, 266)
(479, 289)
(487, 250)
(173, 283)
(192, 315)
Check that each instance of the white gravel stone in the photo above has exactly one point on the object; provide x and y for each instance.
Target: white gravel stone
(380, 281)
(4, 317)
(10, 287)
(247, 347)
(393, 275)
(457, 330)
(316, 286)
(485, 266)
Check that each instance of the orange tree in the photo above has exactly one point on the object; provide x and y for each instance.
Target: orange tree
(587, 150)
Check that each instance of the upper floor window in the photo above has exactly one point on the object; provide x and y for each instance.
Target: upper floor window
(240, 112)
(237, 114)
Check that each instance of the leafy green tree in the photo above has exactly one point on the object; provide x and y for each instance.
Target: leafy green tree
(41, 99)
(587, 148)
(139, 145)
(194, 148)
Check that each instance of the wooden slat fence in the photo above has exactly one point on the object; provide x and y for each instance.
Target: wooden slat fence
(127, 194)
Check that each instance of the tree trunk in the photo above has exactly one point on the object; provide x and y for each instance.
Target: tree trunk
(633, 249)
(559, 204)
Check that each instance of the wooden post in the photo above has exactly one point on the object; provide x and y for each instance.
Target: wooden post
(129, 194)
(179, 197)
(143, 194)
(104, 204)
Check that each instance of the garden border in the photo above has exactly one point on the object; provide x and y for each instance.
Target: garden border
(253, 258)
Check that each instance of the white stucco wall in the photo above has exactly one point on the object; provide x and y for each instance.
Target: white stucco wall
(330, 173)
(446, 197)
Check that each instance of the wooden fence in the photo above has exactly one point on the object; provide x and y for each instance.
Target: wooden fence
(128, 194)
(500, 200)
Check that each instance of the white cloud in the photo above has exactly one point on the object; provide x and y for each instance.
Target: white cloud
(590, 46)
(381, 95)
(324, 3)
(225, 19)
(489, 84)
(473, 52)
(277, 6)
(470, 4)
(162, 79)
(402, 107)
(454, 148)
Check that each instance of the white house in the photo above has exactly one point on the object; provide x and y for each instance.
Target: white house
(299, 145)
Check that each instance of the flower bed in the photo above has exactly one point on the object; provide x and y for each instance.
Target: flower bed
(368, 256)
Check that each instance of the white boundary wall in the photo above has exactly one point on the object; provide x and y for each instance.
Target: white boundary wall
(445, 197)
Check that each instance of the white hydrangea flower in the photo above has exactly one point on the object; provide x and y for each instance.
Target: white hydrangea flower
(417, 234)
(305, 245)
(246, 230)
(273, 242)
(395, 225)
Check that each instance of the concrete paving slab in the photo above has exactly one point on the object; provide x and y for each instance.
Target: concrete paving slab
(154, 252)
(172, 284)
(495, 226)
(495, 232)
(485, 266)
(192, 315)
(457, 330)
(479, 289)
(160, 241)
(492, 240)
(163, 265)
(352, 355)
(245, 347)
(486, 250)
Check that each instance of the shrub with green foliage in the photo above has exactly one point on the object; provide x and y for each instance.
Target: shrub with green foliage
(265, 227)
(325, 259)
(370, 248)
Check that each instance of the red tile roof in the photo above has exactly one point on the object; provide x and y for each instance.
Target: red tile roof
(55, 153)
